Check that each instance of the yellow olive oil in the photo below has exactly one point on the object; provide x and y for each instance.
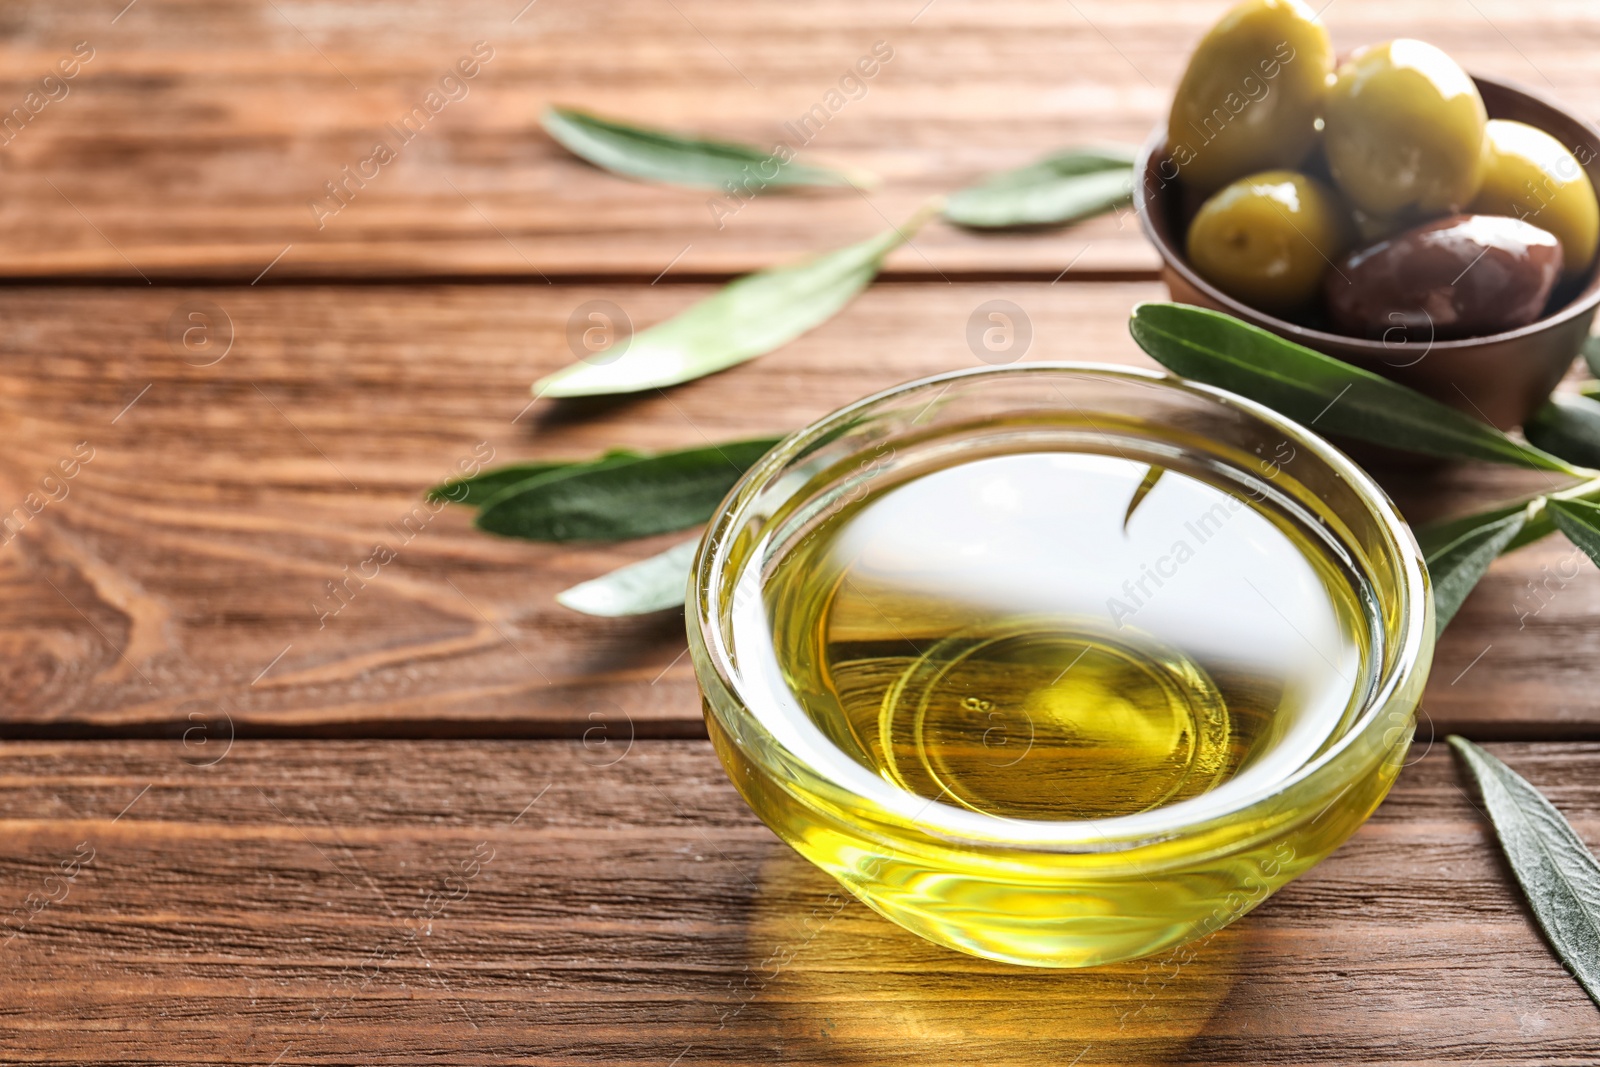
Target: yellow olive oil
(1061, 687)
(1004, 634)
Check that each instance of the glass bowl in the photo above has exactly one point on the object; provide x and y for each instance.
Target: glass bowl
(1057, 892)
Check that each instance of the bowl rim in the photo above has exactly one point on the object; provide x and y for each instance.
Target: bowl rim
(1585, 301)
(1412, 635)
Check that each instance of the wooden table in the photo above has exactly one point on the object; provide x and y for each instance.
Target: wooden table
(273, 813)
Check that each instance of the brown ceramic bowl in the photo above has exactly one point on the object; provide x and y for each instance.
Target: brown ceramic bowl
(1502, 378)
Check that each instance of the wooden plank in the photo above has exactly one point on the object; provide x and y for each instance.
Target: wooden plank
(187, 567)
(221, 123)
(544, 902)
(184, 568)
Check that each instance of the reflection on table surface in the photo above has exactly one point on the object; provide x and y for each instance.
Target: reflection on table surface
(833, 982)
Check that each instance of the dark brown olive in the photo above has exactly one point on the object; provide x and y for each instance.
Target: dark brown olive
(1464, 276)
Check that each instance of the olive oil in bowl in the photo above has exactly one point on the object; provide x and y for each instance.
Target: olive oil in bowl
(991, 633)
(1066, 681)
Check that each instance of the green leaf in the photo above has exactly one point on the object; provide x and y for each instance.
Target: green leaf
(750, 317)
(1590, 389)
(624, 498)
(1591, 354)
(475, 490)
(1568, 426)
(1580, 521)
(1539, 524)
(1057, 189)
(1152, 475)
(1326, 394)
(664, 156)
(1457, 567)
(654, 584)
(481, 488)
(1557, 873)
(1437, 535)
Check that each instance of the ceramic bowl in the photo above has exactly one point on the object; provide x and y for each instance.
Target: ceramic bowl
(1501, 378)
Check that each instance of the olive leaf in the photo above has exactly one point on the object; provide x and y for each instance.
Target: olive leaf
(1580, 521)
(654, 584)
(664, 156)
(1152, 475)
(481, 488)
(1568, 426)
(1327, 394)
(1437, 535)
(1458, 566)
(1057, 189)
(1558, 874)
(749, 317)
(622, 498)
(1539, 519)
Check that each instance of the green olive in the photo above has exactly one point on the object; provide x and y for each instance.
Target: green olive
(1267, 239)
(1251, 95)
(1531, 176)
(1404, 131)
(1370, 228)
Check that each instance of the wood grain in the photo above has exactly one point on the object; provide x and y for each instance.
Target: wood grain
(221, 122)
(274, 906)
(186, 499)
(196, 546)
(183, 574)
